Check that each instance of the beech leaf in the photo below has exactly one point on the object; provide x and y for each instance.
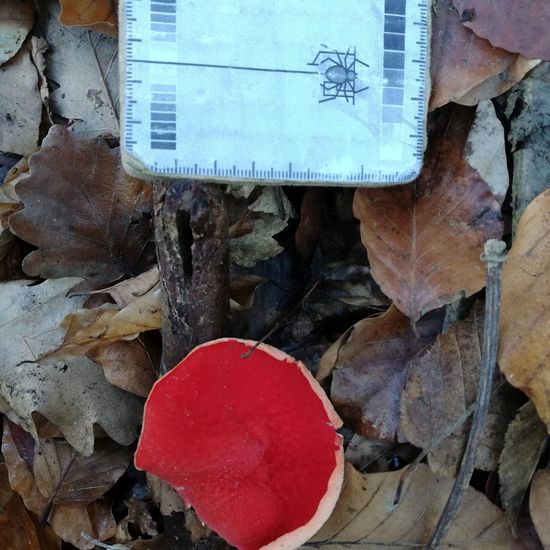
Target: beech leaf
(523, 445)
(515, 25)
(424, 239)
(368, 365)
(441, 385)
(367, 515)
(99, 218)
(464, 68)
(525, 313)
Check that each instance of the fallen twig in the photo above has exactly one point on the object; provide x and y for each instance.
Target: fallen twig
(493, 256)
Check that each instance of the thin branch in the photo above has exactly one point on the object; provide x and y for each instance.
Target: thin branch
(494, 256)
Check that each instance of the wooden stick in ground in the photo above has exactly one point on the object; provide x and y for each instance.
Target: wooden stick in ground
(494, 256)
(191, 232)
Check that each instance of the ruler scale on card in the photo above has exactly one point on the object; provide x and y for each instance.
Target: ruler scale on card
(310, 92)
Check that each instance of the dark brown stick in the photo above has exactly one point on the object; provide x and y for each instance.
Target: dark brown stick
(192, 247)
(494, 256)
(192, 240)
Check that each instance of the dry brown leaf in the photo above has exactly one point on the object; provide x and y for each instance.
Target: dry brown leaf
(515, 25)
(99, 219)
(366, 514)
(96, 520)
(20, 104)
(18, 452)
(524, 442)
(130, 290)
(70, 392)
(127, 365)
(368, 365)
(441, 385)
(17, 529)
(16, 19)
(64, 477)
(525, 312)
(242, 289)
(53, 475)
(108, 323)
(539, 505)
(424, 239)
(464, 68)
(98, 15)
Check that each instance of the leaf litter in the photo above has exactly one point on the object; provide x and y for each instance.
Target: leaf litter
(384, 306)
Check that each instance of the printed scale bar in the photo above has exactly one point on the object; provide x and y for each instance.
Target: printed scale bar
(230, 91)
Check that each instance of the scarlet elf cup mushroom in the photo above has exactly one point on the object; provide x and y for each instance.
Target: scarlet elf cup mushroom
(248, 440)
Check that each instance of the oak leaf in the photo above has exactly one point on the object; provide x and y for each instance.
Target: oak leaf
(424, 239)
(515, 25)
(464, 68)
(16, 19)
(70, 392)
(99, 218)
(368, 365)
(525, 312)
(368, 516)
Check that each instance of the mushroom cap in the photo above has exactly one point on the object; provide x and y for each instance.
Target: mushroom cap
(250, 443)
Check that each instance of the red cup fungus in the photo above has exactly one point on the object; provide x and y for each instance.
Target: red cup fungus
(248, 440)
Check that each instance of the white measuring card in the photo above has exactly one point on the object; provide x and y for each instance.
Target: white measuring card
(294, 91)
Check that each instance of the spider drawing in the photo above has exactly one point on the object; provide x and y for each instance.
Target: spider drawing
(340, 74)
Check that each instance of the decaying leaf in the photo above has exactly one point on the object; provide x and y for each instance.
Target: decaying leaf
(16, 19)
(525, 313)
(50, 475)
(539, 504)
(464, 68)
(71, 393)
(368, 365)
(127, 365)
(99, 218)
(72, 64)
(523, 445)
(367, 514)
(99, 15)
(441, 384)
(485, 150)
(424, 239)
(515, 25)
(19, 530)
(96, 520)
(20, 104)
(130, 290)
(267, 216)
(107, 323)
